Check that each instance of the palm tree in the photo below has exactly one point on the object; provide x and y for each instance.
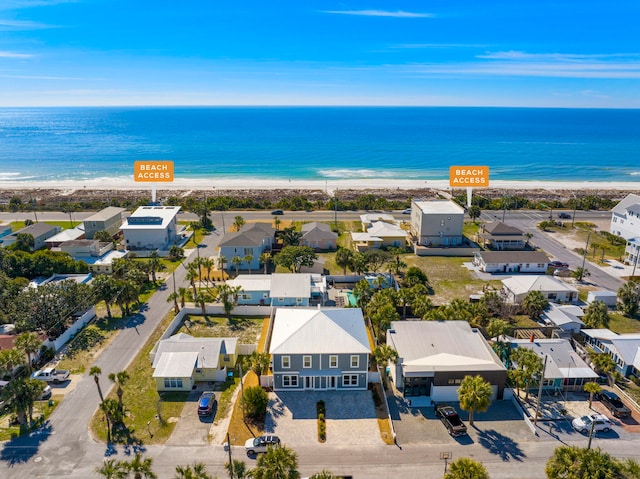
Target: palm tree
(111, 469)
(155, 264)
(95, 372)
(174, 297)
(258, 363)
(228, 296)
(529, 365)
(570, 462)
(265, 259)
(474, 394)
(105, 288)
(237, 261)
(10, 359)
(21, 394)
(221, 262)
(238, 222)
(128, 294)
(141, 468)
(534, 303)
(197, 471)
(528, 237)
(120, 379)
(591, 388)
(192, 275)
(324, 474)
(581, 273)
(209, 264)
(383, 354)
(248, 259)
(237, 469)
(182, 294)
(113, 415)
(277, 463)
(466, 468)
(596, 315)
(629, 296)
(29, 344)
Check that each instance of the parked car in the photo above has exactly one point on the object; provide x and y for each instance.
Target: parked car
(51, 375)
(277, 212)
(406, 211)
(562, 272)
(205, 403)
(599, 422)
(558, 264)
(46, 393)
(613, 403)
(564, 216)
(449, 417)
(260, 444)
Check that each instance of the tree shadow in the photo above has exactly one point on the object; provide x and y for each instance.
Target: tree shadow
(20, 449)
(500, 445)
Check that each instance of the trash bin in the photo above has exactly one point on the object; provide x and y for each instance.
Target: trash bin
(50, 402)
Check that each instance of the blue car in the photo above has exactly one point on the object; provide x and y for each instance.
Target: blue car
(205, 403)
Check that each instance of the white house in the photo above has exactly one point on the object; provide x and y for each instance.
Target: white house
(567, 317)
(436, 222)
(99, 256)
(151, 228)
(435, 356)
(517, 287)
(565, 369)
(625, 222)
(182, 360)
(511, 261)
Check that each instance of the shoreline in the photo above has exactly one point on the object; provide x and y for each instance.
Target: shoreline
(329, 187)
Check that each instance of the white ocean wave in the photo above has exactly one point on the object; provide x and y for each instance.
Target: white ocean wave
(635, 173)
(357, 173)
(8, 174)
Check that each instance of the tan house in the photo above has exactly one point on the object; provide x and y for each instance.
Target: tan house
(379, 235)
(500, 236)
(318, 236)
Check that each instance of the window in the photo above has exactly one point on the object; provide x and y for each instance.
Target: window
(298, 300)
(289, 381)
(246, 296)
(286, 362)
(172, 383)
(306, 361)
(248, 251)
(355, 361)
(350, 380)
(333, 361)
(452, 382)
(265, 295)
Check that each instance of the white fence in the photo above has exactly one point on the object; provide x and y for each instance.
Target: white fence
(80, 323)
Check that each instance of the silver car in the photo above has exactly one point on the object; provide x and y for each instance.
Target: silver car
(260, 444)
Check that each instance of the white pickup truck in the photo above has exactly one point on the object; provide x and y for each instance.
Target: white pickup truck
(51, 375)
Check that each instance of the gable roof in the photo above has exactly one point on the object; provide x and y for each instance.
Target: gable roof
(498, 228)
(105, 214)
(207, 350)
(627, 202)
(251, 282)
(529, 282)
(382, 229)
(562, 360)
(441, 346)
(317, 231)
(315, 225)
(251, 234)
(513, 256)
(326, 331)
(563, 315)
(36, 230)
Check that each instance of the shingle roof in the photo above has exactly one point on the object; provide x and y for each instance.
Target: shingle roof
(105, 214)
(498, 228)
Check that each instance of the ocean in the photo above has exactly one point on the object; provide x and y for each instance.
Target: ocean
(50, 145)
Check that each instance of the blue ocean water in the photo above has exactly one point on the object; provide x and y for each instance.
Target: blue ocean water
(320, 143)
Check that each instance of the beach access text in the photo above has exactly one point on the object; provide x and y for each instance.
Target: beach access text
(469, 176)
(153, 170)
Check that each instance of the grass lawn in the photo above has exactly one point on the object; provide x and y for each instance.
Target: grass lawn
(448, 277)
(246, 329)
(239, 430)
(41, 412)
(142, 401)
(623, 324)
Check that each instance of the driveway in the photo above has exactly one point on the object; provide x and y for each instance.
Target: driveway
(191, 429)
(351, 417)
(500, 429)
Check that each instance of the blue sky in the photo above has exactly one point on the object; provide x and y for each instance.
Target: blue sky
(257, 52)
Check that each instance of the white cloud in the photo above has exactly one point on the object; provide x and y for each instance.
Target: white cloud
(380, 13)
(436, 45)
(42, 77)
(14, 55)
(20, 25)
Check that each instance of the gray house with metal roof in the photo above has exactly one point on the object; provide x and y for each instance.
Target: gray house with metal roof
(319, 349)
(108, 219)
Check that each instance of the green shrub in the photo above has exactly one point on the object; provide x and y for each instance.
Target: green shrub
(255, 402)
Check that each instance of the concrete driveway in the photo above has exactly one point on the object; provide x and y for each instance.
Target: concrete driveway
(191, 429)
(351, 418)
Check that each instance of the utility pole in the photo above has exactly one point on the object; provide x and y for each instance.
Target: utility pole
(593, 425)
(584, 256)
(335, 208)
(544, 368)
(575, 206)
(230, 461)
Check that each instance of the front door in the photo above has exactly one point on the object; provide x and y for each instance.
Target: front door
(333, 382)
(308, 382)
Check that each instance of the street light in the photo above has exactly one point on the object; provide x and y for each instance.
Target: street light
(575, 206)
